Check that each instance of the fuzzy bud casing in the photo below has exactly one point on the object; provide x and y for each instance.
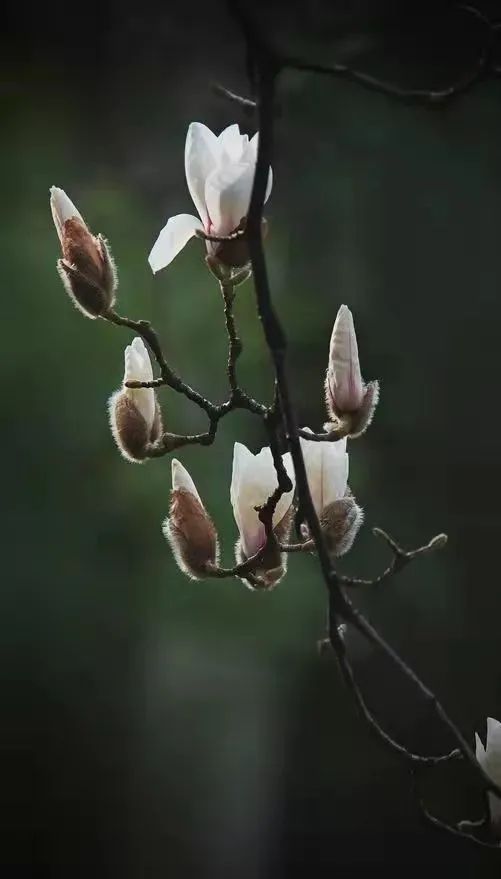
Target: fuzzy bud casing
(189, 529)
(135, 416)
(340, 522)
(87, 269)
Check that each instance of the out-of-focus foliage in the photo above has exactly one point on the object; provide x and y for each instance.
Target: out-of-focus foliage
(169, 725)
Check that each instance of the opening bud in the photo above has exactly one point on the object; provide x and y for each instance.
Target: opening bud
(135, 417)
(253, 482)
(272, 566)
(350, 402)
(189, 529)
(327, 467)
(87, 269)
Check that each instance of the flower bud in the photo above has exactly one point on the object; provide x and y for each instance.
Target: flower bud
(490, 761)
(86, 269)
(340, 522)
(254, 479)
(349, 400)
(135, 417)
(189, 528)
(327, 466)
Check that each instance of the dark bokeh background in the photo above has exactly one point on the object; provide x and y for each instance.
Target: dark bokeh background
(157, 727)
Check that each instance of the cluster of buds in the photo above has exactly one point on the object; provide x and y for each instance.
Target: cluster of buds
(219, 173)
(87, 269)
(261, 548)
(350, 402)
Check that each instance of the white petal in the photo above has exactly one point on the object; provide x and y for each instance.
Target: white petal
(227, 194)
(479, 750)
(327, 467)
(493, 750)
(138, 368)
(201, 155)
(232, 144)
(250, 155)
(345, 379)
(173, 237)
(182, 479)
(62, 209)
(254, 480)
(137, 362)
(493, 734)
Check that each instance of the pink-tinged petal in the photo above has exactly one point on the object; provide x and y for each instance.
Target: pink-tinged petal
(173, 237)
(227, 195)
(253, 481)
(201, 155)
(343, 375)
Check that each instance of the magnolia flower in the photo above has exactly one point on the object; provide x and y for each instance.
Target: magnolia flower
(135, 417)
(327, 468)
(87, 269)
(348, 399)
(219, 174)
(490, 760)
(189, 528)
(253, 481)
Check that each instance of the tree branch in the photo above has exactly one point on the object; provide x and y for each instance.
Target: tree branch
(267, 67)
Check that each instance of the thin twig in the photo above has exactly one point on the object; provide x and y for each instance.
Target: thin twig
(247, 105)
(456, 830)
(235, 344)
(401, 558)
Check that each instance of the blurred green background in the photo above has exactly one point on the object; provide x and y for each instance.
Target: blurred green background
(156, 726)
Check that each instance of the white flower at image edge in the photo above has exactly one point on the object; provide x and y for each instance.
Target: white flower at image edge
(219, 174)
(490, 761)
(253, 481)
(138, 368)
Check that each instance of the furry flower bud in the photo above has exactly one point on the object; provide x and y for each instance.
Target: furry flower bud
(189, 528)
(86, 269)
(348, 399)
(253, 481)
(490, 760)
(135, 417)
(327, 466)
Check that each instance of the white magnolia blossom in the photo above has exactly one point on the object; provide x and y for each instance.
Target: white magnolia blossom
(138, 368)
(490, 760)
(219, 174)
(344, 378)
(327, 467)
(62, 209)
(253, 481)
